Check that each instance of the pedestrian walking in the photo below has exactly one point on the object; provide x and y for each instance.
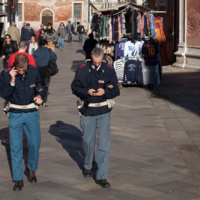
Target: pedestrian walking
(89, 45)
(23, 27)
(14, 32)
(39, 31)
(49, 27)
(22, 50)
(81, 31)
(62, 33)
(22, 87)
(9, 47)
(96, 84)
(70, 30)
(51, 38)
(42, 57)
(27, 33)
(33, 45)
(41, 36)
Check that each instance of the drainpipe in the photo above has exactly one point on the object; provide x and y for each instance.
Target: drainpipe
(88, 16)
(185, 46)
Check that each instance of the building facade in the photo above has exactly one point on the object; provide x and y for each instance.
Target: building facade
(188, 54)
(8, 13)
(53, 11)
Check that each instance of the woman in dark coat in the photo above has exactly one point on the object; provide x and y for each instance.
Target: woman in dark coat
(8, 48)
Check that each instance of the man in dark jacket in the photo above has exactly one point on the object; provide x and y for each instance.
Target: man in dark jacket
(70, 30)
(96, 84)
(81, 31)
(89, 45)
(27, 33)
(23, 87)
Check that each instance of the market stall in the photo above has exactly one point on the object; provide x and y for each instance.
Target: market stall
(132, 38)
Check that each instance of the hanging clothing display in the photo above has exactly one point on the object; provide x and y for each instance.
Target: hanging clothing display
(119, 49)
(127, 37)
(161, 40)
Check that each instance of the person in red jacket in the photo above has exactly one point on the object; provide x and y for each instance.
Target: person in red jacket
(22, 50)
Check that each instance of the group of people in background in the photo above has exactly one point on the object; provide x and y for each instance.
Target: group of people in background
(40, 45)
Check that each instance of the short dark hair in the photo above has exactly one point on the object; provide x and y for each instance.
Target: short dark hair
(21, 60)
(91, 36)
(42, 30)
(42, 42)
(22, 44)
(49, 24)
(50, 31)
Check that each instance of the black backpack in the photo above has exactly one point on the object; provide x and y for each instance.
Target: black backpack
(52, 66)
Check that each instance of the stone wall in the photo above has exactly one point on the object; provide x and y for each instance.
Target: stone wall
(193, 23)
(62, 11)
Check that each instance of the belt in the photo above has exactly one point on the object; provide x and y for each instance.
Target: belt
(105, 103)
(29, 106)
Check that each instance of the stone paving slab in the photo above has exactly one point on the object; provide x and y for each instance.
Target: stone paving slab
(155, 141)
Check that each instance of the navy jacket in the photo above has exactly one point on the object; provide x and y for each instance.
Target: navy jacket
(42, 57)
(88, 78)
(26, 34)
(25, 89)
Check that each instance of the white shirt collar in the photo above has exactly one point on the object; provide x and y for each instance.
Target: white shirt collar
(97, 67)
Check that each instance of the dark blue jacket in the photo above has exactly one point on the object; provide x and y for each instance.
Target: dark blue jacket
(25, 89)
(26, 34)
(42, 57)
(88, 78)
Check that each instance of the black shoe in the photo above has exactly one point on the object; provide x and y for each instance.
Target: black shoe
(87, 173)
(103, 183)
(18, 185)
(31, 175)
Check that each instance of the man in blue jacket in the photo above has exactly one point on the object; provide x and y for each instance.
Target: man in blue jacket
(24, 88)
(70, 30)
(96, 84)
(27, 33)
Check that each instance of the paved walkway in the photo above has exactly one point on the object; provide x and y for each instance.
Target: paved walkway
(155, 141)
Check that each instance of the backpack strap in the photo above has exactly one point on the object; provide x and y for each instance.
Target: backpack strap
(49, 53)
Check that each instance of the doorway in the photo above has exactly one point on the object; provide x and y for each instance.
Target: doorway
(47, 17)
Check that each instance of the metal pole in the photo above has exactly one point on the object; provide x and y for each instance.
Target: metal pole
(88, 16)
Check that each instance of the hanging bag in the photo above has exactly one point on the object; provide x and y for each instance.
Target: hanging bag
(52, 66)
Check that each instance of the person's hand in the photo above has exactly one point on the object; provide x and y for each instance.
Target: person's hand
(3, 56)
(91, 92)
(38, 100)
(99, 93)
(13, 74)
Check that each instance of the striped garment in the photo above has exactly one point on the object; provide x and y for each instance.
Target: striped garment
(119, 69)
(150, 52)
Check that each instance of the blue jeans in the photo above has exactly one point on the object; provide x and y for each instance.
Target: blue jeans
(69, 37)
(29, 122)
(27, 41)
(61, 42)
(80, 37)
(101, 124)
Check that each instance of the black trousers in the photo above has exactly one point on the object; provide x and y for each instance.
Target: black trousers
(5, 63)
(47, 81)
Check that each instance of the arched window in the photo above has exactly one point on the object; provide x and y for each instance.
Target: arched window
(47, 17)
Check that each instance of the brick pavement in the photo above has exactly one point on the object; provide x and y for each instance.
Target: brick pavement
(155, 141)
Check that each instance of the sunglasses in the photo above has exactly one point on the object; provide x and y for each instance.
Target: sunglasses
(7, 38)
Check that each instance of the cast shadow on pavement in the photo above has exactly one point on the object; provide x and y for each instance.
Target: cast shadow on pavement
(70, 138)
(76, 64)
(5, 141)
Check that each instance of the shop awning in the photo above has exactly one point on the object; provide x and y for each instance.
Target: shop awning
(121, 6)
